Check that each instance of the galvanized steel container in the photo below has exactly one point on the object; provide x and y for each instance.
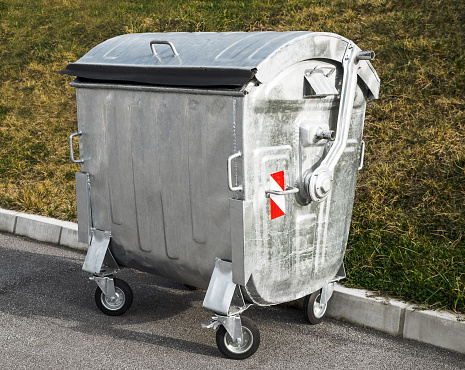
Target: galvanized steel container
(234, 150)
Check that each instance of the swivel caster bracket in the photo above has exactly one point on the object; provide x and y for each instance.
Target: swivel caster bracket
(232, 324)
(106, 284)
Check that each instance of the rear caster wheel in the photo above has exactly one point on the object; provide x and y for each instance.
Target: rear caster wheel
(249, 345)
(314, 311)
(118, 305)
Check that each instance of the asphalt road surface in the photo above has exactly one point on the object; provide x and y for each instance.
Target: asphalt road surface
(49, 320)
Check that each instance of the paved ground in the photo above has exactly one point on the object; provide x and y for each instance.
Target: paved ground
(48, 319)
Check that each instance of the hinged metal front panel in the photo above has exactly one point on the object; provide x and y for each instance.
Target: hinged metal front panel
(298, 243)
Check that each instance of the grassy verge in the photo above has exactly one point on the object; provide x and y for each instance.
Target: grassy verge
(409, 215)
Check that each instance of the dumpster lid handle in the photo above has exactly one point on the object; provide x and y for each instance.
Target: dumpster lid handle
(162, 42)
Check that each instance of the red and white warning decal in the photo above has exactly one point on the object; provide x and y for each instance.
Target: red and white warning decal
(277, 202)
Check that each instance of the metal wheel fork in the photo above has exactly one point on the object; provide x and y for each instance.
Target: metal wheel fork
(107, 285)
(236, 338)
(113, 296)
(232, 324)
(230, 318)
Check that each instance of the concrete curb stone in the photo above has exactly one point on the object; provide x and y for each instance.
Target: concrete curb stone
(360, 307)
(439, 328)
(41, 228)
(69, 236)
(38, 228)
(8, 220)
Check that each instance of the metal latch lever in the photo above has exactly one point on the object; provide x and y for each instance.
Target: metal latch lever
(288, 190)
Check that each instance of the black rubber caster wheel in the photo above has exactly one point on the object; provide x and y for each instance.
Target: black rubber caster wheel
(249, 345)
(314, 311)
(118, 305)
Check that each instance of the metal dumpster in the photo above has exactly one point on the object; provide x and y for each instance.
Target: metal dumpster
(225, 161)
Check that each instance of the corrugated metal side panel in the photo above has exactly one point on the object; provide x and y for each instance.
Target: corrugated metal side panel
(158, 177)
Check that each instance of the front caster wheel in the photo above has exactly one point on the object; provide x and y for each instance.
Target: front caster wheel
(314, 310)
(249, 345)
(118, 305)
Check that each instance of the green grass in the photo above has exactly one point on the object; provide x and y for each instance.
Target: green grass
(409, 217)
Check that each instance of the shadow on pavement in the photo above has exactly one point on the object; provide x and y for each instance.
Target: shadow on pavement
(49, 282)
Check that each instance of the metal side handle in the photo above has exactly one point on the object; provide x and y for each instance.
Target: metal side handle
(230, 184)
(161, 42)
(362, 155)
(71, 148)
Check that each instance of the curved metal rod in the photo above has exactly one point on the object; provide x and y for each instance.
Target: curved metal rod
(349, 84)
(319, 183)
